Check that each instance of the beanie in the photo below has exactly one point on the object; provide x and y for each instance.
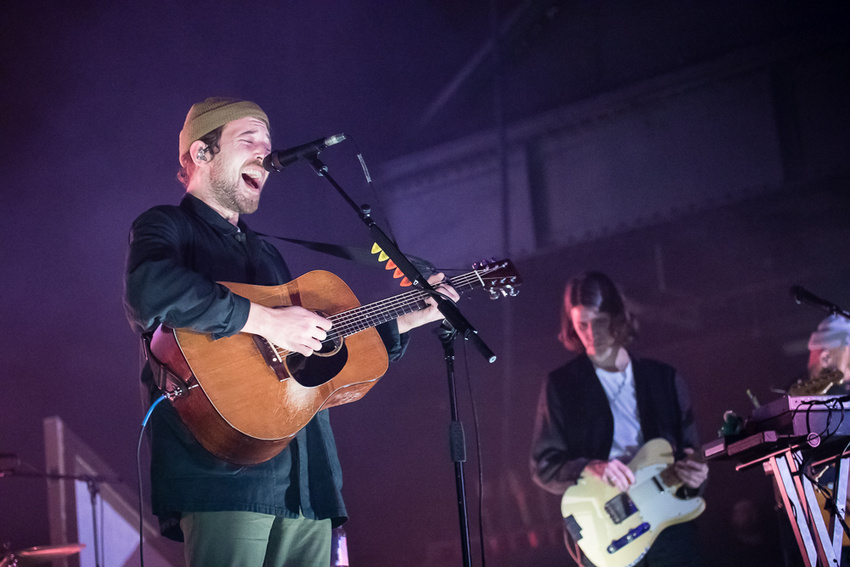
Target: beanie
(204, 117)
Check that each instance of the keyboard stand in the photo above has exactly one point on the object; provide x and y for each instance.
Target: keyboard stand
(819, 545)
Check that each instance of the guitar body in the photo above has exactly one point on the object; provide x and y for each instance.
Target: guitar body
(615, 529)
(245, 410)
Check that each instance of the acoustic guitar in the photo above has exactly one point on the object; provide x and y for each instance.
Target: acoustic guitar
(616, 529)
(244, 399)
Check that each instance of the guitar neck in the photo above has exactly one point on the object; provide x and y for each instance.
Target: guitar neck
(374, 314)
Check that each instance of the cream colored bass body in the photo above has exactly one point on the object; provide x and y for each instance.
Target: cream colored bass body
(616, 529)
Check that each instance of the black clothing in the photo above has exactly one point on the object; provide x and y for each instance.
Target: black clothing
(575, 425)
(176, 255)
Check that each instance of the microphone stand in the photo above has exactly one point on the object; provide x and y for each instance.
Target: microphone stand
(457, 440)
(453, 318)
(92, 482)
(449, 310)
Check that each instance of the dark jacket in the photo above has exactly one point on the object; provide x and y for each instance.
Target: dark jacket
(176, 255)
(574, 423)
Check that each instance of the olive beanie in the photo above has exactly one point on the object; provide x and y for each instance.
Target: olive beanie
(204, 117)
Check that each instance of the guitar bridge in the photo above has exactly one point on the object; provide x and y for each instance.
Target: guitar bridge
(272, 357)
(310, 371)
(620, 507)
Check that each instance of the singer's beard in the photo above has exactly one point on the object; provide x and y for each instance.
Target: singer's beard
(230, 193)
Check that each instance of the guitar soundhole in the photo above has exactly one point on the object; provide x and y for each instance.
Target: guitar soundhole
(309, 371)
(321, 367)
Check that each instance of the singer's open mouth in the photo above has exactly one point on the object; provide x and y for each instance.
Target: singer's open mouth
(251, 181)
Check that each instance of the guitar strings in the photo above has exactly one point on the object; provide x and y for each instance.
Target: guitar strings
(370, 315)
(363, 317)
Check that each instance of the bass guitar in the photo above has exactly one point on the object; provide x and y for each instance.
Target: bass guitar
(616, 529)
(244, 399)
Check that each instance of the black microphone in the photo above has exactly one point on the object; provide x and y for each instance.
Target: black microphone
(802, 295)
(279, 159)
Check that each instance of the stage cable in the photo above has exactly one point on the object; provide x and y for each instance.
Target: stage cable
(139, 479)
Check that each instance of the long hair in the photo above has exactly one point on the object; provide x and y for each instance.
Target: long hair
(187, 166)
(595, 289)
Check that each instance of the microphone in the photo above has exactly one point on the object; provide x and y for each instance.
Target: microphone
(279, 159)
(802, 295)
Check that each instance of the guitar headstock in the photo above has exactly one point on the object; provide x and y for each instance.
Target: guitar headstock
(499, 278)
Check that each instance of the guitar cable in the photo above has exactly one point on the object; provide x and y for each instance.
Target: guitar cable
(475, 428)
(139, 478)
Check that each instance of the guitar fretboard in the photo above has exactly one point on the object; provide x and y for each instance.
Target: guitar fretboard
(374, 314)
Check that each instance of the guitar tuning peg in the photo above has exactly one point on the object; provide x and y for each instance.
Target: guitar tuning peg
(512, 291)
(494, 293)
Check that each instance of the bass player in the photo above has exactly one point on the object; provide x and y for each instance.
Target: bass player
(596, 411)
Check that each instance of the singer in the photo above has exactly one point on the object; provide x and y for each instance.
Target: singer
(279, 512)
(596, 411)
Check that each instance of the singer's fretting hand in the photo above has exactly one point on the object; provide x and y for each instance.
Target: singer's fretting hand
(431, 313)
(292, 328)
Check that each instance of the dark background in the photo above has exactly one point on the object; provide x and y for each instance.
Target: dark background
(93, 97)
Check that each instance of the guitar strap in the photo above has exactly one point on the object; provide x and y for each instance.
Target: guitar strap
(353, 253)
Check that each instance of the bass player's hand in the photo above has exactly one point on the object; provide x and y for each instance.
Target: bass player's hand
(691, 471)
(612, 472)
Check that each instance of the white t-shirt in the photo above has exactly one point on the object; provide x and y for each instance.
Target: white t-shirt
(620, 389)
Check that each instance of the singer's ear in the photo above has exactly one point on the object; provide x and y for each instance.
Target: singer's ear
(199, 152)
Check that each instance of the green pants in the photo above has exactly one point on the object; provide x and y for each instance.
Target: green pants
(231, 539)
